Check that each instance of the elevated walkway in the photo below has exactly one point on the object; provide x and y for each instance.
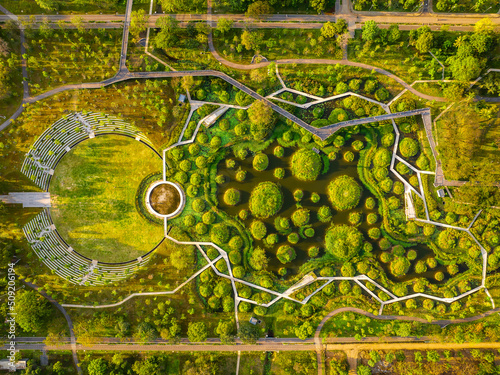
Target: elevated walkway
(27, 199)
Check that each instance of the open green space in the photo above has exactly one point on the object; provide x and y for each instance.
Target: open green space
(57, 57)
(240, 45)
(94, 193)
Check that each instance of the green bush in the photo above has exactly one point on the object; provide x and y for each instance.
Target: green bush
(239, 272)
(423, 163)
(224, 124)
(343, 242)
(370, 203)
(341, 88)
(298, 195)
(313, 251)
(388, 140)
(344, 193)
(382, 94)
(220, 179)
(300, 217)
(241, 175)
(201, 94)
(235, 257)
(192, 191)
(320, 123)
(357, 145)
(354, 84)
(370, 86)
(279, 151)
(236, 243)
(315, 197)
(400, 266)
(309, 232)
(241, 129)
(201, 228)
(279, 173)
(219, 234)
(384, 244)
(318, 112)
(324, 214)
(286, 254)
(355, 218)
(385, 257)
(301, 99)
(386, 184)
(412, 254)
(272, 239)
(374, 233)
(306, 165)
(195, 179)
(338, 115)
(266, 200)
(230, 164)
(398, 188)
(208, 217)
(282, 271)
(194, 149)
(212, 253)
(215, 142)
(408, 147)
(393, 203)
(201, 162)
(232, 197)
(181, 177)
(380, 173)
(382, 158)
(402, 168)
(258, 229)
(293, 238)
(260, 162)
(339, 141)
(198, 205)
(348, 156)
(189, 221)
(371, 218)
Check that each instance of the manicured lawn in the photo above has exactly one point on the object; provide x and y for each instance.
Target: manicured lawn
(94, 191)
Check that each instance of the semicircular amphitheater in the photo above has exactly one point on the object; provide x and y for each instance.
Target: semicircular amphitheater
(303, 233)
(97, 229)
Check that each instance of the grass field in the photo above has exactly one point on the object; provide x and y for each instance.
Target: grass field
(61, 57)
(94, 189)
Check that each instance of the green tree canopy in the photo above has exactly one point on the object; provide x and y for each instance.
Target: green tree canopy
(197, 332)
(32, 311)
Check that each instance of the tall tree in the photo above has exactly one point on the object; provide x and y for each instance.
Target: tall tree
(138, 20)
(197, 332)
(259, 9)
(32, 311)
(224, 25)
(370, 30)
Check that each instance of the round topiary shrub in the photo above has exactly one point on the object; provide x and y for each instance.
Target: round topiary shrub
(298, 195)
(439, 276)
(224, 124)
(241, 175)
(348, 156)
(215, 142)
(344, 193)
(384, 244)
(355, 218)
(201, 228)
(235, 257)
(338, 115)
(382, 94)
(423, 163)
(198, 205)
(258, 229)
(181, 177)
(374, 233)
(194, 149)
(402, 168)
(201, 94)
(382, 158)
(220, 179)
(412, 254)
(309, 232)
(313, 251)
(232, 197)
(279, 173)
(385, 257)
(236, 243)
(272, 239)
(286, 254)
(318, 112)
(388, 140)
(394, 203)
(371, 218)
(239, 272)
(324, 214)
(208, 217)
(306, 165)
(301, 217)
(230, 163)
(358, 145)
(293, 238)
(386, 184)
(279, 151)
(266, 200)
(219, 234)
(398, 188)
(380, 173)
(260, 162)
(315, 197)
(408, 147)
(431, 262)
(400, 266)
(301, 99)
(189, 220)
(332, 155)
(192, 191)
(341, 88)
(343, 242)
(201, 162)
(370, 203)
(420, 267)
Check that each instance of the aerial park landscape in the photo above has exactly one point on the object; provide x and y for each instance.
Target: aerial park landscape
(306, 188)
